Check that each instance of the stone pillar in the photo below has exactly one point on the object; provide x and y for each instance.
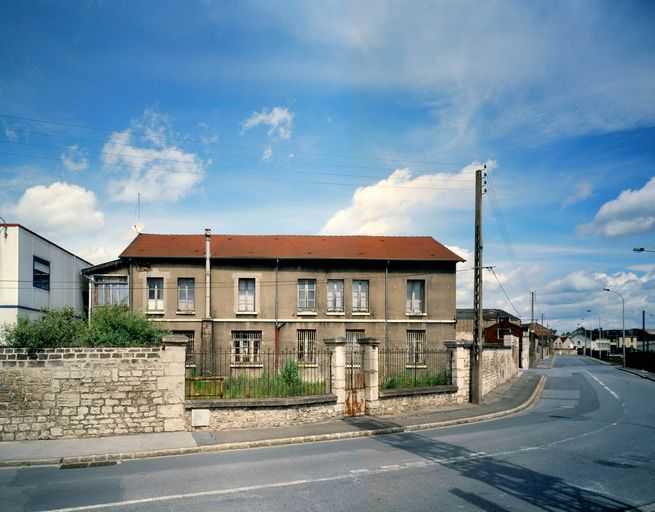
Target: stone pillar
(371, 372)
(171, 384)
(337, 346)
(461, 368)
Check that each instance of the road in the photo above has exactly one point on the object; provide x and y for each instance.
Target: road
(589, 444)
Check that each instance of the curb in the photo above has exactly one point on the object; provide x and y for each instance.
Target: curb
(638, 373)
(118, 457)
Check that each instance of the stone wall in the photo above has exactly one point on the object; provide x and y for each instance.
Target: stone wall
(498, 366)
(416, 401)
(90, 392)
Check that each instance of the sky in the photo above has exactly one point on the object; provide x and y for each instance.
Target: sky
(365, 117)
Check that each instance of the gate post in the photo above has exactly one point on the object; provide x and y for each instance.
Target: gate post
(370, 367)
(461, 368)
(337, 346)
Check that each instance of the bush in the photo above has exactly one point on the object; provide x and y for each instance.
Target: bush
(110, 326)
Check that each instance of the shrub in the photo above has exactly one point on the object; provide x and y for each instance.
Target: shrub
(115, 326)
(55, 328)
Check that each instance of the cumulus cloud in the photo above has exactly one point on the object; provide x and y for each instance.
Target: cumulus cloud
(392, 205)
(144, 160)
(278, 119)
(268, 153)
(633, 212)
(74, 159)
(583, 191)
(59, 208)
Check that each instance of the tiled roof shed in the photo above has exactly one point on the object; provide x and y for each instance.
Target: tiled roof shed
(396, 248)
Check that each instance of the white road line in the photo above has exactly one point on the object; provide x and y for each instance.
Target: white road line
(601, 383)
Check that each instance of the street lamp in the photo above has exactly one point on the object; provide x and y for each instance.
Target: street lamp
(641, 249)
(623, 318)
(584, 323)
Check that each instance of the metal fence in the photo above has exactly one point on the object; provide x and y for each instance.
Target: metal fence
(256, 373)
(407, 368)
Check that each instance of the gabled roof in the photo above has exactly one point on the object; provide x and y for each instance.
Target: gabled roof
(403, 248)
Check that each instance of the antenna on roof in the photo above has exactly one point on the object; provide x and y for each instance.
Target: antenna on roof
(138, 225)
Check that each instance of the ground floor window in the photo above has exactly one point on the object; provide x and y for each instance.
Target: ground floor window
(190, 346)
(416, 347)
(246, 347)
(307, 346)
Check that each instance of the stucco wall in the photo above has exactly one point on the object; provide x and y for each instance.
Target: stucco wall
(89, 392)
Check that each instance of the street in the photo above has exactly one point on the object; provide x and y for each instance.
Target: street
(587, 445)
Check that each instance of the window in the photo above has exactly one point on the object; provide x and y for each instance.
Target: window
(415, 297)
(416, 347)
(155, 293)
(109, 290)
(352, 335)
(306, 294)
(335, 295)
(360, 296)
(190, 346)
(246, 295)
(502, 332)
(246, 347)
(41, 274)
(186, 294)
(307, 346)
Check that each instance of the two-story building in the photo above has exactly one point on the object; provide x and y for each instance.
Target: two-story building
(36, 273)
(249, 293)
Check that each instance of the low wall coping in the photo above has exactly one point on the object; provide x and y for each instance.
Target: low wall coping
(236, 403)
(458, 344)
(432, 390)
(496, 346)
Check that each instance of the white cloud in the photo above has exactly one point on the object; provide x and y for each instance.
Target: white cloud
(158, 170)
(633, 212)
(268, 153)
(74, 159)
(59, 208)
(11, 135)
(395, 204)
(583, 191)
(278, 119)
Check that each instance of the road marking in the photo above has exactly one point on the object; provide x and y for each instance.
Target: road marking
(601, 383)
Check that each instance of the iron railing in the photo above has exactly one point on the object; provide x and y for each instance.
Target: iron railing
(225, 373)
(407, 368)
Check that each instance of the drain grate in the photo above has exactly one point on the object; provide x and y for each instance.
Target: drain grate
(84, 465)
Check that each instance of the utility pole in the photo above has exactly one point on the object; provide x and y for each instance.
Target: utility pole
(476, 356)
(532, 299)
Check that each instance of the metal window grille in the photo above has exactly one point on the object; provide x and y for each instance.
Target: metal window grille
(246, 294)
(335, 295)
(186, 294)
(110, 290)
(416, 347)
(306, 294)
(41, 274)
(155, 293)
(190, 346)
(415, 296)
(352, 335)
(360, 296)
(307, 346)
(246, 347)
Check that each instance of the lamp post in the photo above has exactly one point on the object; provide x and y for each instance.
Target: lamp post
(622, 317)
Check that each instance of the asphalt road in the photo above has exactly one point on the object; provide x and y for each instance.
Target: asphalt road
(588, 445)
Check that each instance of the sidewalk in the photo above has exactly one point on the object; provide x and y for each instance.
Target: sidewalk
(518, 394)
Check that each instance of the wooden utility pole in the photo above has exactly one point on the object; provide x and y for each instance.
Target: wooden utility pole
(476, 356)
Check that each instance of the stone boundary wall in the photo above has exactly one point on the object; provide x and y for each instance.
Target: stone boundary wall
(90, 392)
(498, 366)
(417, 399)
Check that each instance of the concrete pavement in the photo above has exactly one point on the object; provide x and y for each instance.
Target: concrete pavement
(512, 397)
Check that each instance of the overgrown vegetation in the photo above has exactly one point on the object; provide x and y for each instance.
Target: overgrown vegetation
(410, 379)
(112, 326)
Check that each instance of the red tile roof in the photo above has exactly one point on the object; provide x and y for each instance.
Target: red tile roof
(420, 248)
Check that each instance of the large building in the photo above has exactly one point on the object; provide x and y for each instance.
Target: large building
(248, 293)
(36, 273)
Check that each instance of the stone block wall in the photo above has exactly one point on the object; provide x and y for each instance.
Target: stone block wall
(90, 392)
(498, 367)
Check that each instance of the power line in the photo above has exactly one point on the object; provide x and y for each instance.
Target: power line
(503, 289)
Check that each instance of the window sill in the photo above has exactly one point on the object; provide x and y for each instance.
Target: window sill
(185, 312)
(336, 313)
(247, 365)
(307, 365)
(153, 312)
(409, 313)
(240, 313)
(361, 313)
(307, 313)
(415, 366)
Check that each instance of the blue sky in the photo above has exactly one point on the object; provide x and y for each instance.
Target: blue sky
(347, 118)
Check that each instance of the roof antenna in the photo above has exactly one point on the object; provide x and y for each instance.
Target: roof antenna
(138, 225)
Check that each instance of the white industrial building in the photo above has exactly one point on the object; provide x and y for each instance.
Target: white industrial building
(35, 274)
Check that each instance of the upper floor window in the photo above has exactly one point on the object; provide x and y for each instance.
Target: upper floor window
(110, 290)
(335, 295)
(155, 293)
(246, 295)
(306, 294)
(416, 347)
(41, 274)
(186, 294)
(415, 296)
(360, 296)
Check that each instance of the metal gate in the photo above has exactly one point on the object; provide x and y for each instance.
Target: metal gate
(355, 382)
